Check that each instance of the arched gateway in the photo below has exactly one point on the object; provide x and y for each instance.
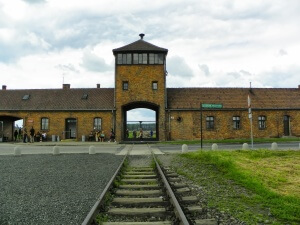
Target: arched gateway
(132, 129)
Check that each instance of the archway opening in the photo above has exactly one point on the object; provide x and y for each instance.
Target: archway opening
(140, 122)
(8, 125)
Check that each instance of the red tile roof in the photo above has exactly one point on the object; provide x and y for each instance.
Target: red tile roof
(177, 98)
(58, 99)
(234, 98)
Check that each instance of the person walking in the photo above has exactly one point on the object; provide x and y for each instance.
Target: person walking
(112, 136)
(32, 132)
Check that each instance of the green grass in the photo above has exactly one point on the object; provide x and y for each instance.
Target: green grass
(237, 141)
(254, 171)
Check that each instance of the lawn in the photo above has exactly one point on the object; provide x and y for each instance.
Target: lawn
(271, 180)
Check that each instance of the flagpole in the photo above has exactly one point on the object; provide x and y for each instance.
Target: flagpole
(250, 117)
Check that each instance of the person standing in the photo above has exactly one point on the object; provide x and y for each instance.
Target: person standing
(16, 135)
(102, 136)
(24, 135)
(32, 132)
(134, 134)
(141, 134)
(20, 134)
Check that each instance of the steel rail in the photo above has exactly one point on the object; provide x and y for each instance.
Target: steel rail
(95, 209)
(178, 210)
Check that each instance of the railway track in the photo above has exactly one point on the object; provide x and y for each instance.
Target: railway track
(151, 195)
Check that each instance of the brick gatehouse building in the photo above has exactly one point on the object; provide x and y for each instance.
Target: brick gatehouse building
(140, 82)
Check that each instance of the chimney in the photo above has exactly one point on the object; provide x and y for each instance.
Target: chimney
(142, 36)
(3, 87)
(66, 86)
(98, 85)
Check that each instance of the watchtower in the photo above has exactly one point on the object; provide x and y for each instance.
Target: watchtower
(140, 82)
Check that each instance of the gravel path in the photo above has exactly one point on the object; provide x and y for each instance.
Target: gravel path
(47, 189)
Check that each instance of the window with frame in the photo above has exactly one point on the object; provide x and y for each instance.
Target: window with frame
(97, 123)
(151, 58)
(262, 122)
(135, 58)
(125, 85)
(210, 123)
(44, 123)
(236, 122)
(145, 58)
(154, 85)
(119, 58)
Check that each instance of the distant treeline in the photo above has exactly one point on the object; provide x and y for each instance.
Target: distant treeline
(144, 126)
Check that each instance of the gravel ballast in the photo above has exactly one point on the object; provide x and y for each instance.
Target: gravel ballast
(48, 189)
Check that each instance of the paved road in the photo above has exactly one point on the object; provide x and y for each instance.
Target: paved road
(113, 148)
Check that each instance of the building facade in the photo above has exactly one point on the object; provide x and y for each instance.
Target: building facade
(140, 82)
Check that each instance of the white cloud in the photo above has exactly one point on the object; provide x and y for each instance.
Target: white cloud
(210, 43)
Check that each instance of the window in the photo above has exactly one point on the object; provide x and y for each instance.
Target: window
(26, 97)
(262, 122)
(236, 122)
(119, 58)
(128, 61)
(140, 58)
(154, 85)
(45, 123)
(135, 58)
(160, 58)
(210, 122)
(84, 96)
(151, 58)
(124, 59)
(97, 123)
(145, 58)
(125, 85)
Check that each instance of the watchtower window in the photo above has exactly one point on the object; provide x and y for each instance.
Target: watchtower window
(160, 58)
(119, 58)
(140, 58)
(135, 58)
(128, 61)
(145, 58)
(125, 85)
(154, 85)
(151, 58)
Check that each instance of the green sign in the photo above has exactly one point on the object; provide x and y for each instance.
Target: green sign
(212, 106)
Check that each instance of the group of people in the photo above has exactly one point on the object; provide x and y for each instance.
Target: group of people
(139, 135)
(30, 136)
(100, 136)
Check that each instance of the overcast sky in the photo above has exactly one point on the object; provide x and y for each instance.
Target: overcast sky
(222, 43)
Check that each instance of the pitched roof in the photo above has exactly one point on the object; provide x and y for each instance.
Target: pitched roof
(234, 98)
(58, 99)
(140, 46)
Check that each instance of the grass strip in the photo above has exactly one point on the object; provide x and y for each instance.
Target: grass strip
(284, 208)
